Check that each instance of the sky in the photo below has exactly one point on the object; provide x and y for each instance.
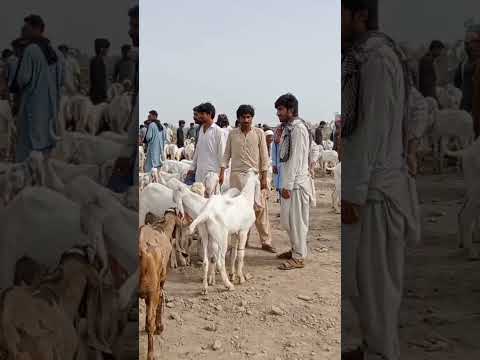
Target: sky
(419, 22)
(239, 52)
(76, 23)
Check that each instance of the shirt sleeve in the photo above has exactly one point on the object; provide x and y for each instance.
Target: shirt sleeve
(193, 167)
(263, 151)
(360, 150)
(26, 68)
(221, 145)
(228, 152)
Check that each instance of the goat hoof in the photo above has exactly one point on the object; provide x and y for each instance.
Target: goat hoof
(242, 280)
(204, 292)
(231, 287)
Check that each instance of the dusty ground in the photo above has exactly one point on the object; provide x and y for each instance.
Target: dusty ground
(441, 307)
(242, 321)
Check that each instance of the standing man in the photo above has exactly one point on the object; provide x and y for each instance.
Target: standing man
(181, 134)
(168, 133)
(71, 71)
(210, 144)
(191, 132)
(319, 133)
(473, 39)
(125, 67)
(297, 185)
(247, 149)
(464, 74)
(427, 73)
(277, 166)
(38, 81)
(98, 72)
(155, 140)
(379, 198)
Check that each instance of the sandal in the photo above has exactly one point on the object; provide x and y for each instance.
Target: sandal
(269, 248)
(292, 264)
(285, 256)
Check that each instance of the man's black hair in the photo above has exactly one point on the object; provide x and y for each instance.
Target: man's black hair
(359, 5)
(6, 53)
(288, 101)
(101, 44)
(323, 122)
(245, 110)
(142, 126)
(35, 21)
(133, 12)
(206, 108)
(436, 44)
(153, 112)
(192, 124)
(126, 48)
(63, 47)
(182, 122)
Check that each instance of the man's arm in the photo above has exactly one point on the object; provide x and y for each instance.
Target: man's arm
(361, 148)
(264, 159)
(300, 140)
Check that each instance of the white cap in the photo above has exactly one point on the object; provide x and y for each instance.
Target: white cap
(268, 132)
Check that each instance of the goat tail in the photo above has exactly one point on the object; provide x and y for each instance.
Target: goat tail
(204, 216)
(456, 154)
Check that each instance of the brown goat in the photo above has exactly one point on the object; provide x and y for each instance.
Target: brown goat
(154, 252)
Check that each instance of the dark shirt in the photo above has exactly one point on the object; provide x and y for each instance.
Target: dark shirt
(427, 76)
(98, 80)
(318, 135)
(180, 137)
(124, 70)
(464, 81)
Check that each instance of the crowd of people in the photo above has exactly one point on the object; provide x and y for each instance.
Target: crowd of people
(219, 146)
(35, 75)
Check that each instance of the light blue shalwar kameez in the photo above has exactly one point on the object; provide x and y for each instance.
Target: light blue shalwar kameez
(39, 85)
(156, 141)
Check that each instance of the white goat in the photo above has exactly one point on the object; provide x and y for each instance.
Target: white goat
(469, 214)
(170, 151)
(189, 150)
(328, 157)
(228, 214)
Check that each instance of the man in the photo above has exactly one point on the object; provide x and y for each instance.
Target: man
(126, 165)
(277, 166)
(125, 67)
(222, 121)
(71, 71)
(191, 132)
(198, 123)
(427, 74)
(168, 133)
(142, 132)
(210, 144)
(269, 138)
(11, 62)
(297, 185)
(473, 40)
(319, 133)
(464, 74)
(98, 72)
(181, 134)
(247, 149)
(379, 198)
(155, 138)
(38, 81)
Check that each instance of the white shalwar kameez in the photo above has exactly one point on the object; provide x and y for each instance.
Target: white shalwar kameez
(209, 152)
(294, 212)
(376, 178)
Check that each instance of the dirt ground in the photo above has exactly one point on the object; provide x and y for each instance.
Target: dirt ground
(441, 307)
(240, 324)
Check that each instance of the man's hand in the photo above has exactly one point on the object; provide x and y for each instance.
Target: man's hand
(263, 183)
(221, 176)
(350, 213)
(275, 169)
(286, 194)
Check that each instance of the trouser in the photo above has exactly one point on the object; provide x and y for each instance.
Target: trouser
(262, 222)
(373, 254)
(296, 212)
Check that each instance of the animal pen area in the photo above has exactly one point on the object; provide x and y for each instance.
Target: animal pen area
(274, 315)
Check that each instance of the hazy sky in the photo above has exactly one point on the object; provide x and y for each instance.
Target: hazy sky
(422, 21)
(234, 52)
(76, 23)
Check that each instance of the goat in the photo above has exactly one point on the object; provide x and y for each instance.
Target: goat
(222, 216)
(337, 190)
(154, 253)
(468, 215)
(328, 157)
(170, 151)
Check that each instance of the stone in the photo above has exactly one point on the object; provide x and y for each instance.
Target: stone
(304, 297)
(275, 310)
(217, 345)
(211, 327)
